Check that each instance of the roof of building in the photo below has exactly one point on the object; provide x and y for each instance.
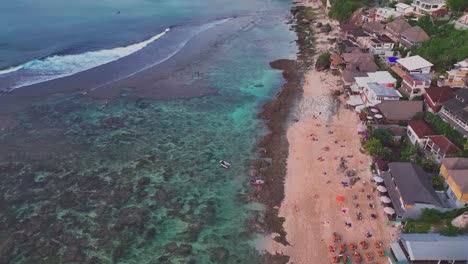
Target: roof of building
(362, 81)
(439, 94)
(402, 5)
(415, 34)
(382, 77)
(398, 25)
(358, 33)
(400, 110)
(421, 128)
(456, 163)
(444, 144)
(463, 94)
(383, 90)
(413, 183)
(373, 26)
(335, 59)
(457, 168)
(457, 108)
(435, 247)
(432, 1)
(348, 26)
(385, 39)
(414, 62)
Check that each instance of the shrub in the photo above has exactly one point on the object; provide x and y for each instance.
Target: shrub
(438, 183)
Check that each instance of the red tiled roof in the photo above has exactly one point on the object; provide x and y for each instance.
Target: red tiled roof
(421, 128)
(445, 145)
(440, 94)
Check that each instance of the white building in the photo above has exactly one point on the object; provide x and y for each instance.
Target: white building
(403, 9)
(417, 132)
(385, 14)
(375, 93)
(415, 72)
(427, 7)
(379, 77)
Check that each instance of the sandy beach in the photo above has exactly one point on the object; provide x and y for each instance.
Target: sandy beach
(324, 136)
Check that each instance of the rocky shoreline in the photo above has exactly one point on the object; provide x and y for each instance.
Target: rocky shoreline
(278, 115)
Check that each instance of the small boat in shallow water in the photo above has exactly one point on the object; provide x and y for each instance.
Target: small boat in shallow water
(225, 164)
(256, 182)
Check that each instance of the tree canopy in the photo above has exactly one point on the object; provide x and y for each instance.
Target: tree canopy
(342, 10)
(457, 5)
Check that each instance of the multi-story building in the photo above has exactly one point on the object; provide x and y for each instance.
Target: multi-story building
(375, 93)
(455, 172)
(385, 14)
(415, 72)
(382, 45)
(455, 111)
(427, 7)
(417, 132)
(436, 96)
(440, 147)
(413, 37)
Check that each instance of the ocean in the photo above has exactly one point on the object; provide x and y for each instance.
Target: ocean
(116, 115)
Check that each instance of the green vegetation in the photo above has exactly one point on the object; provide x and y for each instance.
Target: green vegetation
(323, 61)
(443, 128)
(342, 10)
(438, 221)
(438, 183)
(408, 153)
(446, 46)
(457, 5)
(374, 147)
(382, 135)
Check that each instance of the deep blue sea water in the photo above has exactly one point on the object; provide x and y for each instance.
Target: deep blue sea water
(131, 179)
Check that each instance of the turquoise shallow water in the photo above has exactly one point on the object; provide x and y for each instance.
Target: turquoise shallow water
(132, 180)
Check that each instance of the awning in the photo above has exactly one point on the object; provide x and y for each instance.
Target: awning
(359, 108)
(355, 100)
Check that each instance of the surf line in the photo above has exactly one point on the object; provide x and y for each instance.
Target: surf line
(180, 47)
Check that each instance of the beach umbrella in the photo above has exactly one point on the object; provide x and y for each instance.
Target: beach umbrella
(389, 84)
(370, 117)
(378, 116)
(340, 199)
(374, 110)
(385, 199)
(381, 189)
(389, 210)
(377, 179)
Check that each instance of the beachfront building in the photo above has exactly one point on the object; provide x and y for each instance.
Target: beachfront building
(417, 132)
(369, 15)
(358, 64)
(455, 172)
(380, 77)
(413, 37)
(436, 96)
(396, 27)
(440, 147)
(427, 7)
(415, 72)
(360, 37)
(403, 9)
(410, 190)
(429, 249)
(375, 93)
(456, 78)
(455, 111)
(382, 45)
(374, 28)
(385, 14)
(400, 111)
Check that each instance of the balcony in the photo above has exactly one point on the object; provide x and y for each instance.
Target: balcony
(399, 71)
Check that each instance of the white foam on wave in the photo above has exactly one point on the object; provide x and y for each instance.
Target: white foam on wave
(58, 66)
(12, 69)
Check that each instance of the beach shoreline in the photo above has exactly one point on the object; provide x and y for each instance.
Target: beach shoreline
(322, 137)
